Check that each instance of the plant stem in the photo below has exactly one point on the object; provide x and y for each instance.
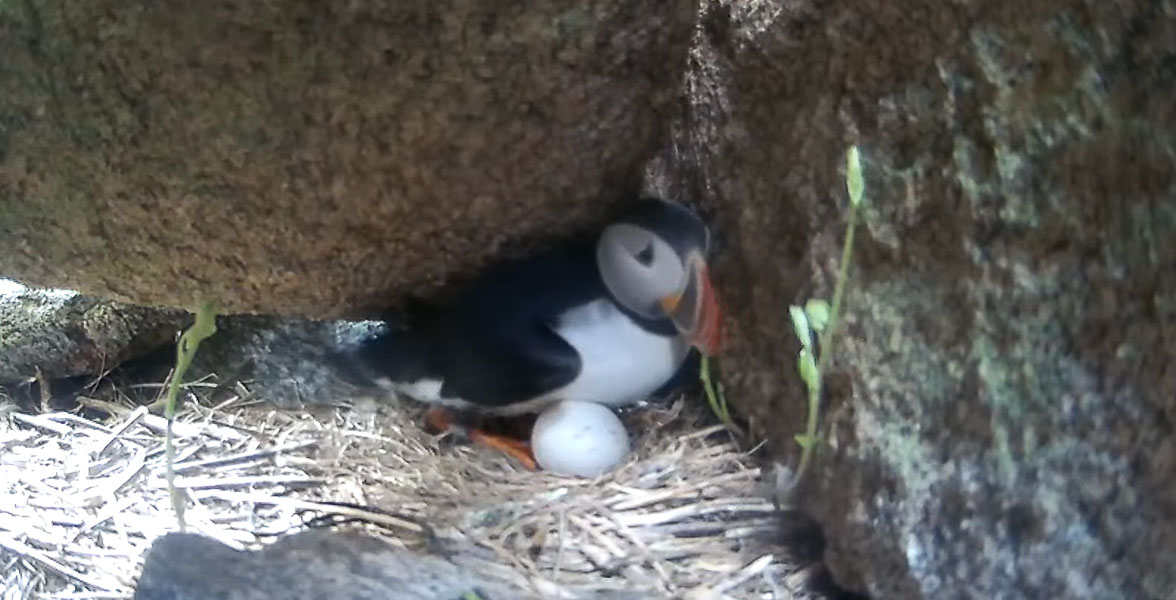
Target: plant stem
(203, 328)
(716, 399)
(826, 348)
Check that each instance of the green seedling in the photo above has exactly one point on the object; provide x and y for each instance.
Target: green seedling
(815, 325)
(203, 328)
(715, 397)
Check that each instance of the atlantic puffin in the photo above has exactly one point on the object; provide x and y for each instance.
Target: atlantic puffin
(609, 320)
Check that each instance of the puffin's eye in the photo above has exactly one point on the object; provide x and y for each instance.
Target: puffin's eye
(645, 256)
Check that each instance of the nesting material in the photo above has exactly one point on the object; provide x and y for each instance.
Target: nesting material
(82, 500)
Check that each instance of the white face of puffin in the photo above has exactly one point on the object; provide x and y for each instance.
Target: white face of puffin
(646, 275)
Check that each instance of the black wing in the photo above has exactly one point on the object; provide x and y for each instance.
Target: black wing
(500, 347)
(510, 369)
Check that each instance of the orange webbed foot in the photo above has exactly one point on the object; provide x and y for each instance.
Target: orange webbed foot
(520, 450)
(439, 420)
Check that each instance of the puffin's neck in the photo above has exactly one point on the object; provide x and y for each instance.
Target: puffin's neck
(658, 326)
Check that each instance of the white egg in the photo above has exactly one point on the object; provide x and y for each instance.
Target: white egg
(579, 438)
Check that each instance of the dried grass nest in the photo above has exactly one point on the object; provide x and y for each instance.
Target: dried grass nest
(81, 500)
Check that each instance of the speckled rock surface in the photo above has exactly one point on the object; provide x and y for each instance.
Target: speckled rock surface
(312, 565)
(289, 362)
(316, 158)
(65, 334)
(1001, 424)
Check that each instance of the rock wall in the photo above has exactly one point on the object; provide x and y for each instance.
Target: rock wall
(316, 158)
(1001, 419)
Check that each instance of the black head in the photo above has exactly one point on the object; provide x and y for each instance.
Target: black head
(653, 262)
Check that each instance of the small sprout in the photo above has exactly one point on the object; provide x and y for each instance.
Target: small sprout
(817, 311)
(203, 328)
(807, 367)
(715, 397)
(853, 177)
(800, 324)
(822, 317)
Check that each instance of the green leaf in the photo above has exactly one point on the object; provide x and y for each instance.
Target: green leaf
(853, 177)
(715, 396)
(800, 325)
(818, 313)
(808, 369)
(806, 441)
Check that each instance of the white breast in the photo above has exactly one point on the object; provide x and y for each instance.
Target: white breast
(621, 363)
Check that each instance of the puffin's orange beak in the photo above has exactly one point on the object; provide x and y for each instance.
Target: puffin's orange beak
(707, 335)
(695, 310)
